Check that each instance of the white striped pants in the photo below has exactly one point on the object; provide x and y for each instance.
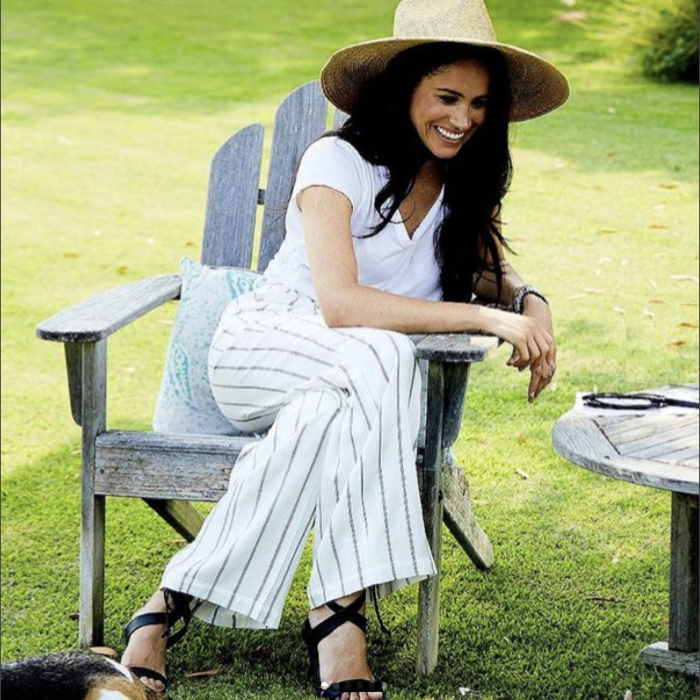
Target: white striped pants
(343, 411)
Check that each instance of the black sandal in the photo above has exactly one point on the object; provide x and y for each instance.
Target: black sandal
(176, 608)
(313, 636)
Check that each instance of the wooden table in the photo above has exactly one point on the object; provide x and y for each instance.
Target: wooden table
(657, 448)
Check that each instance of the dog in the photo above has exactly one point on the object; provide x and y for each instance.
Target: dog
(71, 675)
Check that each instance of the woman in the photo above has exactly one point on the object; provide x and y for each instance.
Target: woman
(392, 228)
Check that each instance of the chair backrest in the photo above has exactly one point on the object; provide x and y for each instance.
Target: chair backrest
(234, 183)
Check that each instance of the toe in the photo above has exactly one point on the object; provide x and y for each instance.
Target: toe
(152, 684)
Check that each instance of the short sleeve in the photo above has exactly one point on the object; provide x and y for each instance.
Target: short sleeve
(332, 162)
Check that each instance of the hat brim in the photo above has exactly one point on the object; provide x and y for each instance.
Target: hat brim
(537, 87)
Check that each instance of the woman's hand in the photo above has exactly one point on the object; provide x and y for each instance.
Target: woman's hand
(529, 339)
(543, 370)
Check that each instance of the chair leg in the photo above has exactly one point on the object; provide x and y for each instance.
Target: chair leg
(92, 543)
(92, 571)
(431, 473)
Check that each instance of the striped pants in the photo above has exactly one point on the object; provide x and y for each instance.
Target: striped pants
(341, 408)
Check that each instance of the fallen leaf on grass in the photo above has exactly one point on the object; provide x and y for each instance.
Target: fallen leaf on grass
(205, 674)
(648, 313)
(525, 475)
(597, 599)
(522, 439)
(469, 693)
(572, 16)
(656, 301)
(657, 226)
(628, 695)
(677, 343)
(605, 229)
(104, 651)
(684, 278)
(71, 256)
(685, 324)
(668, 185)
(122, 269)
(74, 617)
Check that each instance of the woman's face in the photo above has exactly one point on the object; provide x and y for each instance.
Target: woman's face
(450, 105)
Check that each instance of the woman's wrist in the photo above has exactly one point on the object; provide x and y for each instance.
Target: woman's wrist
(523, 293)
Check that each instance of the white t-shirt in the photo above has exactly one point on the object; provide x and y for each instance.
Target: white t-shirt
(391, 260)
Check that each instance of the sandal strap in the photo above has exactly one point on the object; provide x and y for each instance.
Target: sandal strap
(143, 620)
(334, 691)
(341, 615)
(176, 609)
(143, 672)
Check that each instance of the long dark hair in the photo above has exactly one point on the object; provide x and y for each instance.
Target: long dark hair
(476, 179)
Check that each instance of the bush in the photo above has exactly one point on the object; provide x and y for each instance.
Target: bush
(661, 34)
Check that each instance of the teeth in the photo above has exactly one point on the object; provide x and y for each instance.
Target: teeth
(449, 134)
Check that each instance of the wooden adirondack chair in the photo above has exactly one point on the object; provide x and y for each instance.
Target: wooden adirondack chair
(169, 470)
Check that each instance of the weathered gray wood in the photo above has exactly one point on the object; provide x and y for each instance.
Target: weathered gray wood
(577, 437)
(101, 315)
(460, 518)
(456, 382)
(74, 369)
(92, 538)
(165, 466)
(660, 656)
(638, 448)
(234, 182)
(180, 515)
(339, 118)
(431, 498)
(300, 120)
(684, 614)
(456, 347)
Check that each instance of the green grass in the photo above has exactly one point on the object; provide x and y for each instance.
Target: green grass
(111, 112)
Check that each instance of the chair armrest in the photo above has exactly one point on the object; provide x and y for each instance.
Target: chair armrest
(98, 317)
(456, 347)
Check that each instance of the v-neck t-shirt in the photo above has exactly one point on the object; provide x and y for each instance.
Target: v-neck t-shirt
(391, 260)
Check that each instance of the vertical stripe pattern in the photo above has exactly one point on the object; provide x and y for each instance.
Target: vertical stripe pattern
(340, 413)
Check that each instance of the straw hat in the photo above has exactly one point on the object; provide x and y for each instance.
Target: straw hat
(537, 87)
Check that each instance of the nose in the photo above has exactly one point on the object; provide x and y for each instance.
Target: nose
(462, 118)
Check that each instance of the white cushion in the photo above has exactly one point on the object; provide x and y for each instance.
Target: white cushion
(185, 403)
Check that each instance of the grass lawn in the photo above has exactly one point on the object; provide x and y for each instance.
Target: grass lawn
(110, 114)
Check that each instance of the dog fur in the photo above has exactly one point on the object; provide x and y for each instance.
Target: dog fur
(71, 675)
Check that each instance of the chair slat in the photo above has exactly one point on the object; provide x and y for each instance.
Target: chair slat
(229, 227)
(300, 120)
(339, 118)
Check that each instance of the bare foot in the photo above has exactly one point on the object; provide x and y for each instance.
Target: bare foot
(343, 654)
(147, 646)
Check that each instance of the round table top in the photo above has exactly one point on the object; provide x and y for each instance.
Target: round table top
(657, 448)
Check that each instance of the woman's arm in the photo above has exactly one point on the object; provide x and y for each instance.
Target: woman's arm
(344, 302)
(533, 307)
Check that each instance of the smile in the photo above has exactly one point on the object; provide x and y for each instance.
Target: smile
(453, 136)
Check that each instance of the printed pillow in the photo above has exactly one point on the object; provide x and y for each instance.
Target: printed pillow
(185, 403)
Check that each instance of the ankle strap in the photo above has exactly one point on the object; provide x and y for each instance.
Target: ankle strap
(341, 615)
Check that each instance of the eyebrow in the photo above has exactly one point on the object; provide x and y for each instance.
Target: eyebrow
(456, 93)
